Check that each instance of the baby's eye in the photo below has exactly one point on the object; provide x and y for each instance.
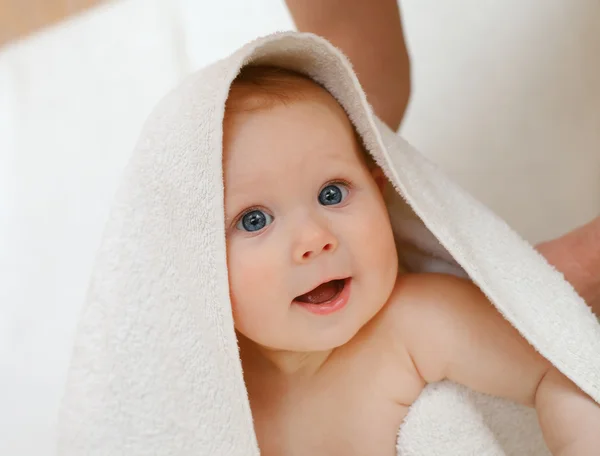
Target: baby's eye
(254, 220)
(333, 194)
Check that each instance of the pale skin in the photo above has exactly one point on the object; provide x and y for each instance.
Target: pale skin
(370, 34)
(342, 383)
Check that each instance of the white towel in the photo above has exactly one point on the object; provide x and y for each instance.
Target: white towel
(156, 368)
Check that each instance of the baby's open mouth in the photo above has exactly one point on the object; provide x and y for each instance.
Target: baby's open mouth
(325, 292)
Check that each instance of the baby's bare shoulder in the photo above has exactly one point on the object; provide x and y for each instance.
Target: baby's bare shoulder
(451, 330)
(428, 307)
(420, 297)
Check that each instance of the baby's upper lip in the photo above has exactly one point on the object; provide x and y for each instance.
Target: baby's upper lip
(331, 279)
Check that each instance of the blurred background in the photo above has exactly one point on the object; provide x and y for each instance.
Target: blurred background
(506, 98)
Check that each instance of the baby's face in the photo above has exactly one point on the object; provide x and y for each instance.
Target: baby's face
(303, 209)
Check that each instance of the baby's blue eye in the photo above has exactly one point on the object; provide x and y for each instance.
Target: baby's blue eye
(333, 194)
(254, 220)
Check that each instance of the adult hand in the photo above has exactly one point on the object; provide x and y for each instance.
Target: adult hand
(370, 33)
(577, 256)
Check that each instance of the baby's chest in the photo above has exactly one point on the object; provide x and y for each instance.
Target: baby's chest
(355, 409)
(370, 430)
(338, 425)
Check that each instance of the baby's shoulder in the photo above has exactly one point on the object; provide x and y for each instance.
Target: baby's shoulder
(426, 289)
(405, 325)
(418, 300)
(384, 348)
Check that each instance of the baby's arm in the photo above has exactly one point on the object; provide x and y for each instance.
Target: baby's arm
(451, 331)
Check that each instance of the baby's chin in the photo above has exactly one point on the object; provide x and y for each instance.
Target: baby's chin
(335, 336)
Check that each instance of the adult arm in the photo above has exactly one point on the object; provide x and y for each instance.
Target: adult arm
(370, 33)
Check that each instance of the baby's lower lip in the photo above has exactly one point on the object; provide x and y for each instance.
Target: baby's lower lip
(331, 306)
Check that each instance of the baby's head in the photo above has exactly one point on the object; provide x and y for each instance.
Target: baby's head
(303, 207)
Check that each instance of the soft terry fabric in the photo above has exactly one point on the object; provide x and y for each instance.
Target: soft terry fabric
(156, 369)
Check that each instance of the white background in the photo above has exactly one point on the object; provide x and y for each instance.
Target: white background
(506, 98)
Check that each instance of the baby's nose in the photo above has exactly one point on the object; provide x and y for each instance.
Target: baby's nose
(314, 241)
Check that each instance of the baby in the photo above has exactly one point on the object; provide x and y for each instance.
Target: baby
(337, 343)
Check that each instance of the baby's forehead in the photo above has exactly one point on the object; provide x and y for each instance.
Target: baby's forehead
(287, 146)
(252, 166)
(259, 90)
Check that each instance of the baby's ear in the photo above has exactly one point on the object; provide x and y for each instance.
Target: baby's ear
(379, 177)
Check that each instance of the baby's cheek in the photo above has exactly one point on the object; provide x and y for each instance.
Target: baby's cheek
(250, 271)
(377, 240)
(244, 276)
(257, 296)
